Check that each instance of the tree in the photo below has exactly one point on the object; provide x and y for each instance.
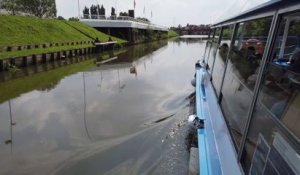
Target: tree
(113, 11)
(143, 19)
(102, 11)
(38, 8)
(86, 13)
(123, 14)
(259, 27)
(94, 12)
(60, 18)
(73, 19)
(12, 6)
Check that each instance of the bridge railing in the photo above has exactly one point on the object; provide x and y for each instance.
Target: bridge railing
(103, 17)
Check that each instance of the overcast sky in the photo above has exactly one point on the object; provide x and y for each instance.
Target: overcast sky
(165, 12)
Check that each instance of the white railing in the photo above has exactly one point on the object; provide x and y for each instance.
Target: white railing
(103, 17)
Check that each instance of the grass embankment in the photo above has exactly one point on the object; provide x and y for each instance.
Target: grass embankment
(41, 81)
(94, 32)
(172, 34)
(21, 30)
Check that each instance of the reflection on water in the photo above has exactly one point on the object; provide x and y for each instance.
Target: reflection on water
(115, 118)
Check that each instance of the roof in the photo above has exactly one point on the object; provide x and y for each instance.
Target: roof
(258, 10)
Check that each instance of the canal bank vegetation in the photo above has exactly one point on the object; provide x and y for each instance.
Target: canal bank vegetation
(172, 34)
(24, 31)
(21, 30)
(94, 33)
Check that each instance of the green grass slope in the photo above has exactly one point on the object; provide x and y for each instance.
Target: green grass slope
(21, 30)
(93, 32)
(172, 33)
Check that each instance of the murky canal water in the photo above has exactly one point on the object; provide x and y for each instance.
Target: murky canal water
(127, 116)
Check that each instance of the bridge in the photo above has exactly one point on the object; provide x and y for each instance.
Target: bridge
(128, 28)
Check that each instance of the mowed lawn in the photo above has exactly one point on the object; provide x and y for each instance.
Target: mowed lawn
(23, 30)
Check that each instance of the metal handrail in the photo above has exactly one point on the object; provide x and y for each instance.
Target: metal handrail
(103, 17)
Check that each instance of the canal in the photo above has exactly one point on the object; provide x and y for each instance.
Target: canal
(126, 116)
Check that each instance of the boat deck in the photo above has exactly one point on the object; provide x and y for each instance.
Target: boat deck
(217, 154)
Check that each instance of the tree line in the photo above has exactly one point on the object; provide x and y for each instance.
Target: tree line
(38, 8)
(95, 10)
(98, 12)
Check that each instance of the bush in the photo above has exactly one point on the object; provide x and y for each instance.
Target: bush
(73, 19)
(60, 18)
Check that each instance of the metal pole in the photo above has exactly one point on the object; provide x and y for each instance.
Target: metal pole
(116, 8)
(11, 125)
(78, 10)
(98, 9)
(84, 109)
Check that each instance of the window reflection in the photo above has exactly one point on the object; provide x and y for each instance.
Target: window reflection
(248, 50)
(268, 150)
(217, 35)
(212, 48)
(278, 103)
(220, 58)
(211, 55)
(241, 74)
(206, 52)
(280, 91)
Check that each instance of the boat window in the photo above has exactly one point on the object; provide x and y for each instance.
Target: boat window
(220, 58)
(211, 48)
(268, 150)
(211, 33)
(217, 35)
(241, 74)
(207, 51)
(279, 97)
(281, 87)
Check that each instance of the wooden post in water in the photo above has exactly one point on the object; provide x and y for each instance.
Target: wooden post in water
(24, 61)
(44, 58)
(2, 65)
(34, 60)
(52, 57)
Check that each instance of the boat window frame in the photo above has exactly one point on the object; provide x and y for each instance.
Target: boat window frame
(270, 43)
(289, 9)
(259, 16)
(232, 40)
(278, 17)
(233, 35)
(257, 84)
